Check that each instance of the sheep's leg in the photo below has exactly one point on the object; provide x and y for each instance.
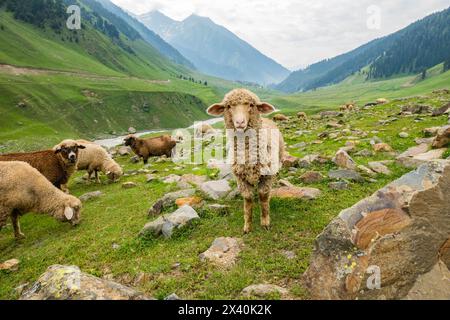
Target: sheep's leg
(4, 214)
(248, 214)
(89, 176)
(97, 179)
(16, 225)
(145, 160)
(264, 198)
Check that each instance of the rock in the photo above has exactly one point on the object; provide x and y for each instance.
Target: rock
(343, 160)
(379, 168)
(233, 194)
(441, 111)
(399, 230)
(69, 283)
(223, 252)
(338, 185)
(414, 162)
(442, 138)
(135, 159)
(431, 132)
(166, 224)
(311, 177)
(306, 161)
(129, 185)
(124, 151)
(190, 201)
(330, 114)
(225, 171)
(169, 199)
(346, 175)
(414, 151)
(333, 125)
(91, 195)
(194, 179)
(417, 109)
(302, 116)
(220, 209)
(381, 101)
(10, 265)
(289, 161)
(299, 145)
(296, 193)
(171, 178)
(382, 147)
(366, 170)
(280, 117)
(216, 189)
(172, 296)
(427, 141)
(131, 130)
(290, 255)
(150, 177)
(21, 288)
(403, 135)
(264, 290)
(364, 153)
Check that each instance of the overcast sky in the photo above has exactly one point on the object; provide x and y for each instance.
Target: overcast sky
(297, 33)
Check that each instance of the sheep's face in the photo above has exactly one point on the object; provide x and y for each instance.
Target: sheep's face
(114, 173)
(239, 108)
(129, 141)
(69, 151)
(70, 211)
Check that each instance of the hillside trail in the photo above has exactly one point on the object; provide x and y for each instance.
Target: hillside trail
(19, 71)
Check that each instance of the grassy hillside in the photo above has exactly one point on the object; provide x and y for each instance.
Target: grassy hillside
(355, 88)
(106, 243)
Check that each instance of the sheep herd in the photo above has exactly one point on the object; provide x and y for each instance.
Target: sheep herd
(37, 181)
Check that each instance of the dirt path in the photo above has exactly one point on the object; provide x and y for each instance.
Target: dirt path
(19, 71)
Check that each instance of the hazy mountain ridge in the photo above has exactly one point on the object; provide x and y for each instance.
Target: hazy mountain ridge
(215, 50)
(404, 52)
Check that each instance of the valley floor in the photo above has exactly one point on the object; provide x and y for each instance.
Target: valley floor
(106, 243)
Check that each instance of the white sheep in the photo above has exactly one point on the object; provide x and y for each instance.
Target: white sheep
(24, 189)
(94, 159)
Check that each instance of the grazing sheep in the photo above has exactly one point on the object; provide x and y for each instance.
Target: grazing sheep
(203, 128)
(280, 117)
(94, 159)
(56, 165)
(152, 147)
(302, 116)
(23, 189)
(242, 111)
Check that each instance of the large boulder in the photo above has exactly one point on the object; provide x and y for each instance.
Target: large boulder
(69, 283)
(398, 235)
(216, 189)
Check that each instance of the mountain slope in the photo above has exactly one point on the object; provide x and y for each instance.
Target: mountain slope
(148, 35)
(410, 50)
(214, 50)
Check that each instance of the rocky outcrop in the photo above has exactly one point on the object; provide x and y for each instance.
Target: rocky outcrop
(398, 235)
(69, 283)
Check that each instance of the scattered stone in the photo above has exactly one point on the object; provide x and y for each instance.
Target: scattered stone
(69, 283)
(382, 147)
(172, 296)
(285, 183)
(346, 175)
(194, 179)
(233, 194)
(299, 145)
(414, 162)
(339, 185)
(290, 255)
(427, 141)
(225, 171)
(296, 193)
(264, 290)
(414, 151)
(190, 201)
(135, 159)
(290, 161)
(442, 110)
(216, 189)
(366, 170)
(343, 160)
(115, 246)
(403, 135)
(442, 138)
(91, 195)
(150, 177)
(417, 109)
(169, 199)
(381, 101)
(400, 229)
(364, 153)
(131, 130)
(171, 178)
(330, 114)
(431, 132)
(21, 288)
(378, 167)
(280, 117)
(166, 224)
(10, 265)
(311, 177)
(223, 252)
(124, 151)
(129, 185)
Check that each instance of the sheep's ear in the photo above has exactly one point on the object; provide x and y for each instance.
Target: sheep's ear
(81, 146)
(266, 108)
(68, 213)
(216, 109)
(57, 150)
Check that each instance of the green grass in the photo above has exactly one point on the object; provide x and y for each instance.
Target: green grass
(118, 216)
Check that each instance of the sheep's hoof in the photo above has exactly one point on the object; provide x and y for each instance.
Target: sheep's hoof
(247, 230)
(19, 236)
(266, 227)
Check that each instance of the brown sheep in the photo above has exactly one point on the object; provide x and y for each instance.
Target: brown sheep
(151, 147)
(56, 165)
(242, 111)
(23, 189)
